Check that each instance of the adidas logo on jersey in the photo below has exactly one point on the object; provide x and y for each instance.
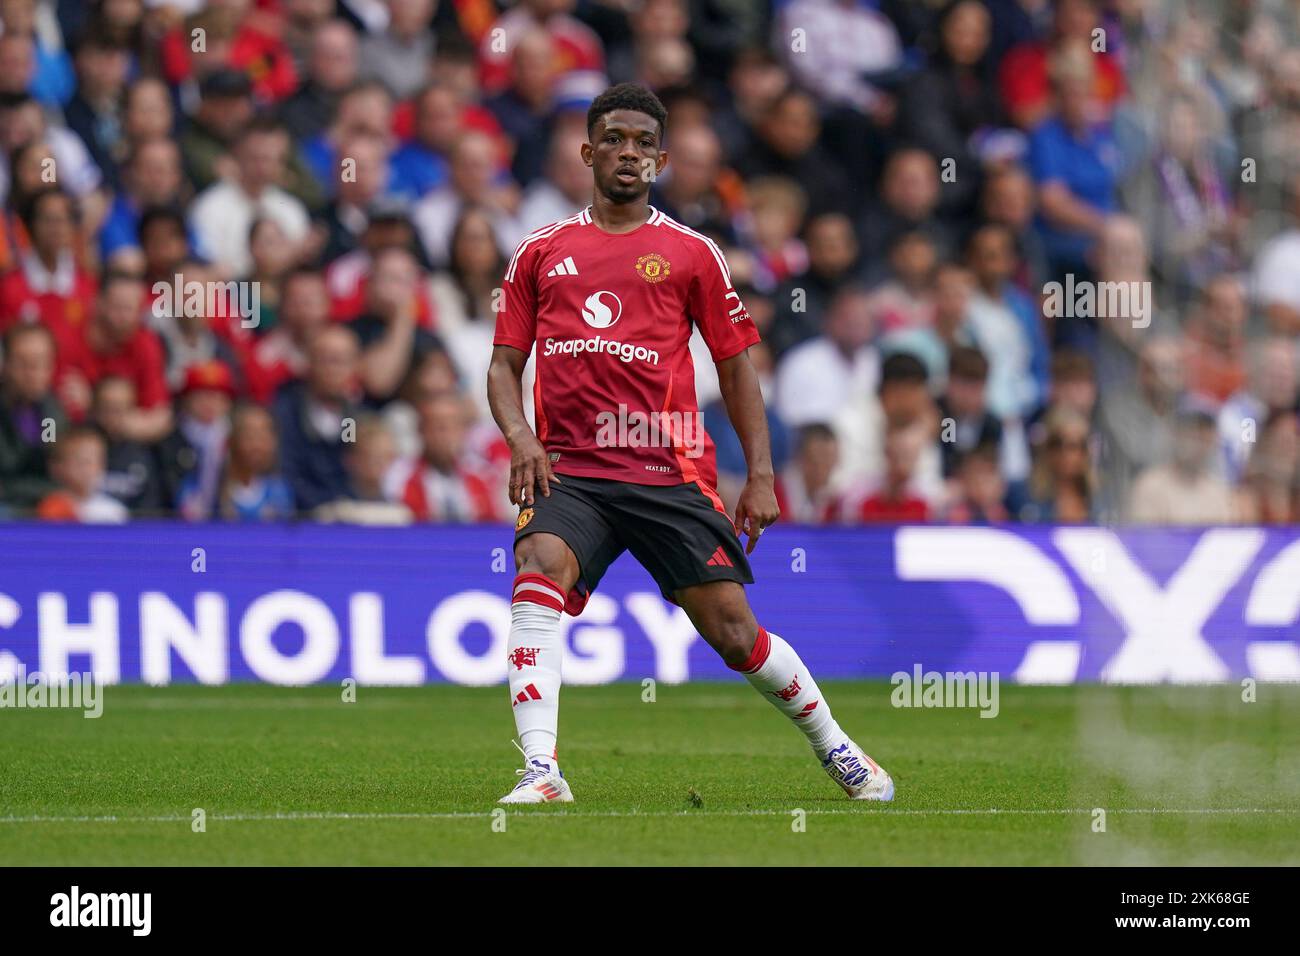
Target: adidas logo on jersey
(565, 268)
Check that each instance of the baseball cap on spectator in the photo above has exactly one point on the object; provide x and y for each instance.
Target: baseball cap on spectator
(225, 83)
(212, 375)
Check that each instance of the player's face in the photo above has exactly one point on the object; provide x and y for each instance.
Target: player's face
(624, 155)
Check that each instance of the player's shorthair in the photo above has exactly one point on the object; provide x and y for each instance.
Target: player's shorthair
(627, 96)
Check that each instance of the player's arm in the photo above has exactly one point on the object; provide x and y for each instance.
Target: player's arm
(528, 462)
(757, 506)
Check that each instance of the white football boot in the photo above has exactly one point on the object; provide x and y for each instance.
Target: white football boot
(540, 781)
(857, 774)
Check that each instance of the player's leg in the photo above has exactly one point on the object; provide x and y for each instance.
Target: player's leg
(562, 546)
(547, 571)
(721, 613)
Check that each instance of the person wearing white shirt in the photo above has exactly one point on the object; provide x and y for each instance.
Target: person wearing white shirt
(224, 213)
(815, 380)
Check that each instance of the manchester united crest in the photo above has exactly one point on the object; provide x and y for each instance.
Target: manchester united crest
(653, 267)
(525, 516)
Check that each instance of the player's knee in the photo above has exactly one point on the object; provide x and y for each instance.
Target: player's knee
(546, 554)
(733, 639)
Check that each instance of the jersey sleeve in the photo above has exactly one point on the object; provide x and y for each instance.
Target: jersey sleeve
(517, 323)
(715, 306)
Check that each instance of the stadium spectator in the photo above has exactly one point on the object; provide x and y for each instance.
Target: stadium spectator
(438, 486)
(806, 488)
(420, 163)
(389, 332)
(895, 497)
(786, 144)
(224, 108)
(250, 487)
(50, 286)
(1215, 340)
(1075, 162)
(1025, 72)
(399, 55)
(331, 69)
(473, 180)
(1061, 486)
(1004, 325)
(77, 465)
(578, 48)
(280, 355)
(223, 214)
(980, 489)
(966, 422)
(95, 110)
(369, 461)
(953, 287)
(1186, 490)
(565, 185)
(311, 414)
(1277, 270)
(1270, 491)
(347, 215)
(152, 176)
(525, 108)
(952, 105)
(131, 474)
(801, 300)
(116, 341)
(907, 200)
(905, 293)
(30, 415)
(817, 378)
(463, 298)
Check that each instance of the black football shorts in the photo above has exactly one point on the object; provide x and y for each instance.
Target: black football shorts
(679, 533)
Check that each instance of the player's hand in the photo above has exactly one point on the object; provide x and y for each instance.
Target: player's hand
(756, 509)
(529, 466)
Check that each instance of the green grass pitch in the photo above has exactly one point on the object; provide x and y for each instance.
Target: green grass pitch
(705, 774)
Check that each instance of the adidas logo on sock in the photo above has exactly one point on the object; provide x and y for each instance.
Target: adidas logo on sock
(719, 559)
(524, 696)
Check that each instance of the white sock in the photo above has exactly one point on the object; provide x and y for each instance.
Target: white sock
(780, 676)
(536, 654)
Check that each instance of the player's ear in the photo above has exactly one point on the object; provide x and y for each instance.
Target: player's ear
(587, 153)
(661, 162)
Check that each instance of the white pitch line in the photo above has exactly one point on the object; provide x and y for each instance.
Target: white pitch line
(632, 814)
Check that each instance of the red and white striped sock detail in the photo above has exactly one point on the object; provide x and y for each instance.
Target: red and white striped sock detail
(776, 672)
(539, 589)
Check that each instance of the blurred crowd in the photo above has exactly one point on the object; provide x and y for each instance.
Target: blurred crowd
(901, 188)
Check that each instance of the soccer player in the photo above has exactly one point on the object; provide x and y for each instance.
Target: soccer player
(619, 460)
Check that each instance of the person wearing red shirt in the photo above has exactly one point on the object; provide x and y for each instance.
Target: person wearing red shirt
(1023, 75)
(895, 499)
(438, 485)
(577, 47)
(607, 300)
(48, 287)
(234, 41)
(117, 342)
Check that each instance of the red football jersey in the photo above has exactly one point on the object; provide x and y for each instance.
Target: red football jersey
(611, 318)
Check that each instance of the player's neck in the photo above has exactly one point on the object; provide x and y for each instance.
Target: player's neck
(618, 218)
